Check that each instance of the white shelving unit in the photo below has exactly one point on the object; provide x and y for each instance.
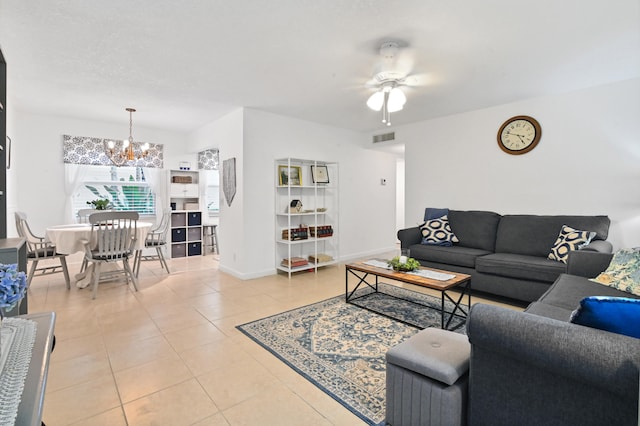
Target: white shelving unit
(318, 216)
(186, 218)
(184, 189)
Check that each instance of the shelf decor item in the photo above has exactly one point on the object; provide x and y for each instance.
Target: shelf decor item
(319, 174)
(409, 264)
(289, 175)
(13, 286)
(295, 206)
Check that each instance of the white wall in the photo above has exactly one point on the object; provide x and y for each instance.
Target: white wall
(37, 171)
(226, 134)
(587, 162)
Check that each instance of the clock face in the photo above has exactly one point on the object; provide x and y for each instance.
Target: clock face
(519, 135)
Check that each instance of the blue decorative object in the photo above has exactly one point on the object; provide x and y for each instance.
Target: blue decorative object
(619, 315)
(434, 213)
(13, 285)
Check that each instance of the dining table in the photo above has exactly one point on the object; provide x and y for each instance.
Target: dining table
(68, 240)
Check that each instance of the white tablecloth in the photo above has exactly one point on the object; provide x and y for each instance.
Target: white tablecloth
(67, 238)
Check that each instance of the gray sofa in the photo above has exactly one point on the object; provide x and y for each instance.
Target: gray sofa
(524, 368)
(505, 255)
(537, 368)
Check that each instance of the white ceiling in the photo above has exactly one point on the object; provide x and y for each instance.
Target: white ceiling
(183, 64)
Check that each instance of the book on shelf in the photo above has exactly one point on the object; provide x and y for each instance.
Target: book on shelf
(321, 231)
(294, 234)
(320, 258)
(294, 262)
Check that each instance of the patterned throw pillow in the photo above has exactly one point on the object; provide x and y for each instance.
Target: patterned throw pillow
(569, 239)
(437, 232)
(623, 272)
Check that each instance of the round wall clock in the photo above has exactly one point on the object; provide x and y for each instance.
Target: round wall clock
(519, 135)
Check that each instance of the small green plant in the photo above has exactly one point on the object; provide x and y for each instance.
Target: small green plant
(100, 204)
(410, 265)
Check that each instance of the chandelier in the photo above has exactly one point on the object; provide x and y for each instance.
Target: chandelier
(120, 153)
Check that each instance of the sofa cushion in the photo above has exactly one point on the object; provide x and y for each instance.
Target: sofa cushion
(623, 273)
(520, 266)
(475, 229)
(534, 235)
(456, 255)
(569, 290)
(615, 314)
(549, 311)
(569, 240)
(438, 232)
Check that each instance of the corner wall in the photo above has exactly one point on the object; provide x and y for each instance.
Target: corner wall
(226, 134)
(367, 209)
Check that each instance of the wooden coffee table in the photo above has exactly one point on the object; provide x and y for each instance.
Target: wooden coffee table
(362, 271)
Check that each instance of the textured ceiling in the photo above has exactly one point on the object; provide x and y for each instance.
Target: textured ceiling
(184, 64)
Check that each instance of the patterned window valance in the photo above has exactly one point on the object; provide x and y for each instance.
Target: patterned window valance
(208, 159)
(86, 150)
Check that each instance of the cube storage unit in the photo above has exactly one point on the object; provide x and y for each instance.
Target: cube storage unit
(186, 233)
(306, 215)
(186, 217)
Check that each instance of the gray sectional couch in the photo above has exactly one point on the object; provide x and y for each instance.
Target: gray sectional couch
(537, 368)
(506, 255)
(524, 368)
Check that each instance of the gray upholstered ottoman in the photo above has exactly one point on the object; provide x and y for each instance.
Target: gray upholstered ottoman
(427, 379)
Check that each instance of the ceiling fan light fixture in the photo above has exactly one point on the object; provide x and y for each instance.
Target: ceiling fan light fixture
(397, 99)
(375, 101)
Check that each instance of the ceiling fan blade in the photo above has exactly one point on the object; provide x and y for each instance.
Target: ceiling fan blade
(416, 80)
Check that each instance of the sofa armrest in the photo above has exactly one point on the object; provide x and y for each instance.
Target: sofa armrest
(601, 246)
(587, 264)
(525, 366)
(409, 237)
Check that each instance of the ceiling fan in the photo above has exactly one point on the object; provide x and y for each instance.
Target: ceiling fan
(391, 73)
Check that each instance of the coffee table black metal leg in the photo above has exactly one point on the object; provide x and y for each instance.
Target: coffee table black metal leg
(362, 279)
(456, 304)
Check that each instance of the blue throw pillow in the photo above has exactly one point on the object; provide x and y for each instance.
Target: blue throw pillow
(431, 213)
(615, 314)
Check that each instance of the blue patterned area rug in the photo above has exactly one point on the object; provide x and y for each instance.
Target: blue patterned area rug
(341, 348)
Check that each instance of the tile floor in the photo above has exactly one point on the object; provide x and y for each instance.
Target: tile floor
(170, 354)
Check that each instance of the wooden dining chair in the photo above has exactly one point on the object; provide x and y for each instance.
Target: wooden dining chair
(38, 249)
(157, 239)
(83, 214)
(113, 238)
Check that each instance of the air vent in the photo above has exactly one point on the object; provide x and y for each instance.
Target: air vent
(384, 137)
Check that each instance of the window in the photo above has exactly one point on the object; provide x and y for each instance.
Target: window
(212, 191)
(125, 187)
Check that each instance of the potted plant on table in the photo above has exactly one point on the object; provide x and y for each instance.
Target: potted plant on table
(100, 204)
(403, 264)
